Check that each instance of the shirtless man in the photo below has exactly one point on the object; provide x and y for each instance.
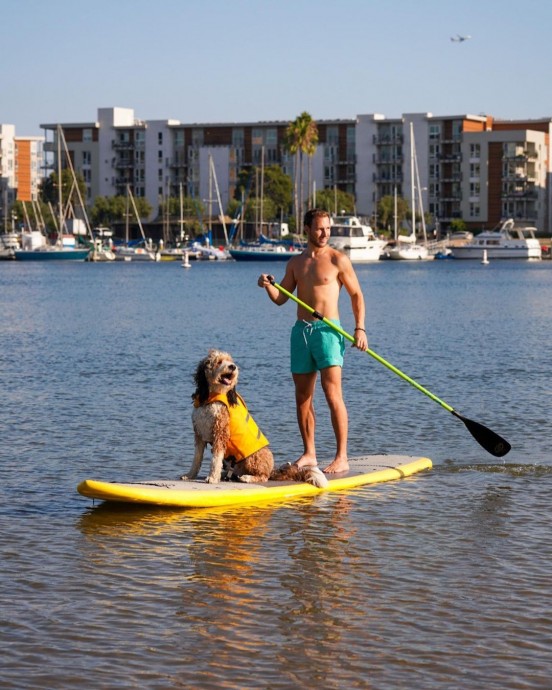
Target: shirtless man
(318, 273)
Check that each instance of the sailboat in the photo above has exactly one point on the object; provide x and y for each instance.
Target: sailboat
(406, 247)
(34, 244)
(178, 252)
(140, 250)
(264, 248)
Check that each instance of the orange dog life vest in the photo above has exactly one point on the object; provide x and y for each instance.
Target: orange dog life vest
(245, 436)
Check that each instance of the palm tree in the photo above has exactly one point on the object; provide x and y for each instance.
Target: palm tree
(301, 137)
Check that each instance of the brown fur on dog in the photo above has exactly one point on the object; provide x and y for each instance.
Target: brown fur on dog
(217, 374)
(311, 475)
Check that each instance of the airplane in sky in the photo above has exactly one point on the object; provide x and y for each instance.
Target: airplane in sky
(459, 39)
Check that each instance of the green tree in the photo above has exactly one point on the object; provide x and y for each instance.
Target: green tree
(301, 138)
(334, 201)
(112, 209)
(386, 212)
(36, 215)
(49, 191)
(277, 193)
(458, 225)
(191, 208)
(278, 188)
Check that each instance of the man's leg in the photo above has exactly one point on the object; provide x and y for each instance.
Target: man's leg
(304, 395)
(331, 385)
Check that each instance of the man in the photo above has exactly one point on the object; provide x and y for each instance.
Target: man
(318, 273)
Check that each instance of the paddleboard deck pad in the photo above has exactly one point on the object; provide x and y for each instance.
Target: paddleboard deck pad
(363, 470)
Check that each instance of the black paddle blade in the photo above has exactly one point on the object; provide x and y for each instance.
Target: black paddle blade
(493, 443)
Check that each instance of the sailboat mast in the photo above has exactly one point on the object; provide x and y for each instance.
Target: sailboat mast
(127, 214)
(219, 200)
(395, 225)
(262, 185)
(60, 195)
(181, 213)
(209, 222)
(412, 190)
(420, 202)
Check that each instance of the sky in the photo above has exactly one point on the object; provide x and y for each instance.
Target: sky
(213, 61)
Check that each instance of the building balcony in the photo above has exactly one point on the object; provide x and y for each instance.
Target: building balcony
(122, 145)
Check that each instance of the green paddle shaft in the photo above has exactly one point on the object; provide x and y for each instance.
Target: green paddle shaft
(488, 439)
(373, 354)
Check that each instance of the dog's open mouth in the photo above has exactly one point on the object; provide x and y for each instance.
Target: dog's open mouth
(226, 379)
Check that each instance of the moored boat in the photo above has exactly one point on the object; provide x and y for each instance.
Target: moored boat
(505, 242)
(9, 242)
(407, 248)
(263, 252)
(35, 248)
(355, 239)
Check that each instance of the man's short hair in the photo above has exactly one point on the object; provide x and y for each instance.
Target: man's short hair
(313, 213)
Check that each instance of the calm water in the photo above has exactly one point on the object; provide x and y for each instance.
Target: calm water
(437, 581)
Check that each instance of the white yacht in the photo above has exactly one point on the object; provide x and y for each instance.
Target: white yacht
(355, 239)
(504, 242)
(407, 249)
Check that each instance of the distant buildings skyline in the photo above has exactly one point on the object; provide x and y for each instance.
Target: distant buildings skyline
(470, 167)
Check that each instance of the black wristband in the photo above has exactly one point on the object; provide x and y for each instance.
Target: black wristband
(360, 329)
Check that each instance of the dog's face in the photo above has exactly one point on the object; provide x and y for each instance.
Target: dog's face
(218, 373)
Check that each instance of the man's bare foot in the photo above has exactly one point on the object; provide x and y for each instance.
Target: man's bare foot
(306, 461)
(338, 465)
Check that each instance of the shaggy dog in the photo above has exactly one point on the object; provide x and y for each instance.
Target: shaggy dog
(221, 418)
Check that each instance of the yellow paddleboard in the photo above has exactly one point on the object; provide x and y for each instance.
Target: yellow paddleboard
(367, 469)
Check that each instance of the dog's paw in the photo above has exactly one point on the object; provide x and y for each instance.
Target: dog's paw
(212, 480)
(316, 477)
(253, 479)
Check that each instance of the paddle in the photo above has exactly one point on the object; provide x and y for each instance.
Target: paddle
(489, 440)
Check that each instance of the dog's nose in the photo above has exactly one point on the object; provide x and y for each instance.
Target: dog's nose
(232, 367)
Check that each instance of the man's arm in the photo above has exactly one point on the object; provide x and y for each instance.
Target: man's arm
(288, 282)
(349, 280)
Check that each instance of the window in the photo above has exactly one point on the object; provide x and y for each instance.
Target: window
(86, 158)
(160, 138)
(434, 131)
(87, 134)
(332, 135)
(238, 137)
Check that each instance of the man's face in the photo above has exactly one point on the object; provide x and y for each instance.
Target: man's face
(319, 231)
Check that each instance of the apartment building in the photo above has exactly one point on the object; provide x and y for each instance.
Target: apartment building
(156, 158)
(21, 170)
(470, 167)
(7, 172)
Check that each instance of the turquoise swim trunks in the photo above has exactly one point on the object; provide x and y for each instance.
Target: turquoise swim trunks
(314, 346)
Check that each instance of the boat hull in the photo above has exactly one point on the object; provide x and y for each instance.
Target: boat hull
(51, 254)
(410, 253)
(260, 255)
(468, 252)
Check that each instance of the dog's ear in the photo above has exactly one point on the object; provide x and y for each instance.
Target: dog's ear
(232, 397)
(202, 386)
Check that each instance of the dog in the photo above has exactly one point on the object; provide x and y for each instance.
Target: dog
(221, 418)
